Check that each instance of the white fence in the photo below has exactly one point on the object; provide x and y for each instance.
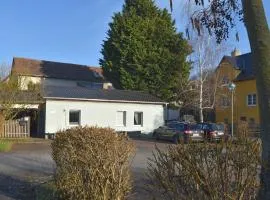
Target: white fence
(16, 128)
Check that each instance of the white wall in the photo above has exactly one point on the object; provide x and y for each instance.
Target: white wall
(25, 80)
(102, 114)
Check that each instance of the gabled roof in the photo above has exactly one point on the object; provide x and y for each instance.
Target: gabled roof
(244, 64)
(49, 69)
(82, 93)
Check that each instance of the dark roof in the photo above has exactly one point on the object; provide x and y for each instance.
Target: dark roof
(244, 64)
(82, 93)
(49, 69)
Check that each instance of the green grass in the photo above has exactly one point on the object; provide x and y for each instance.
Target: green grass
(46, 191)
(5, 146)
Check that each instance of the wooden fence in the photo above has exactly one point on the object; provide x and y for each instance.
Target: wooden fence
(16, 129)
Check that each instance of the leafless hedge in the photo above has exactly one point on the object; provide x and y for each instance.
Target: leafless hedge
(226, 170)
(92, 163)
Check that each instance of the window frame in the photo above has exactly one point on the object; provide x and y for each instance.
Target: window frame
(141, 118)
(79, 118)
(124, 119)
(253, 101)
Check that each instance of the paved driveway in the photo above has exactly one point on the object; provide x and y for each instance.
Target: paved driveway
(31, 164)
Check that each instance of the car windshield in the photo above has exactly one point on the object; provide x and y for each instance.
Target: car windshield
(194, 127)
(218, 127)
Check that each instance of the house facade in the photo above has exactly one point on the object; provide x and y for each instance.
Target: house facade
(128, 111)
(237, 69)
(48, 73)
(76, 95)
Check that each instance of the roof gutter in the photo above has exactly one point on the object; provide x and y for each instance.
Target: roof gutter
(105, 100)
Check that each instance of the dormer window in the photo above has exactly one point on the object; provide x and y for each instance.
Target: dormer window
(225, 80)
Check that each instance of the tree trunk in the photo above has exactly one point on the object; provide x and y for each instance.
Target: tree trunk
(259, 37)
(201, 95)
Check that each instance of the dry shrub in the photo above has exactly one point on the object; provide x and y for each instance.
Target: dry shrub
(227, 171)
(243, 130)
(92, 163)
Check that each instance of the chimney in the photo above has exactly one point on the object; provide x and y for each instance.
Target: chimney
(235, 53)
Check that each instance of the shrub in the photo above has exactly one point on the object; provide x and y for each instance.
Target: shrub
(243, 130)
(92, 163)
(207, 171)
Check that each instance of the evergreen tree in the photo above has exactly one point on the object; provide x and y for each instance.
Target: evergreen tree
(144, 51)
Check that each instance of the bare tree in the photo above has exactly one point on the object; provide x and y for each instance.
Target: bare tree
(203, 88)
(12, 99)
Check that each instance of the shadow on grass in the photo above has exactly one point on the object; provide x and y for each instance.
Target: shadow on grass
(15, 188)
(46, 191)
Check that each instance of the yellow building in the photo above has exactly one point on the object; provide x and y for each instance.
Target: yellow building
(237, 69)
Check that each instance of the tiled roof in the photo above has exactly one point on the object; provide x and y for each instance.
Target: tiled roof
(244, 64)
(49, 69)
(82, 93)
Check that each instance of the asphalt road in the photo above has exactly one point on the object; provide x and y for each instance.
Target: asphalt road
(29, 165)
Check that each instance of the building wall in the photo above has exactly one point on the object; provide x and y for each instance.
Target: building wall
(25, 80)
(243, 89)
(241, 108)
(102, 114)
(223, 113)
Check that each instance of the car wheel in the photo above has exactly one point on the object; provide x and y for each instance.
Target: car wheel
(186, 140)
(176, 139)
(156, 136)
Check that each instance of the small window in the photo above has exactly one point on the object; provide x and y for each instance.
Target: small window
(251, 100)
(138, 118)
(243, 119)
(225, 102)
(225, 80)
(75, 117)
(121, 118)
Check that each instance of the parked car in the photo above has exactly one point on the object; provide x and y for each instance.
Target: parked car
(178, 132)
(212, 131)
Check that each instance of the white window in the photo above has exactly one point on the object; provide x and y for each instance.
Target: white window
(251, 100)
(138, 118)
(74, 117)
(121, 118)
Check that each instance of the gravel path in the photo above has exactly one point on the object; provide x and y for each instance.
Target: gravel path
(29, 165)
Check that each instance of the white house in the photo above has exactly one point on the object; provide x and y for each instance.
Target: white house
(77, 95)
(130, 111)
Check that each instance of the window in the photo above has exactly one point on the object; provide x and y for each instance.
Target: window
(121, 118)
(138, 118)
(225, 80)
(243, 119)
(74, 117)
(251, 100)
(225, 101)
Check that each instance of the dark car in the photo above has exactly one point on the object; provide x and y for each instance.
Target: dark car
(178, 132)
(212, 131)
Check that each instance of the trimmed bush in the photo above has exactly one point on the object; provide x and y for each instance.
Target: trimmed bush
(227, 171)
(92, 163)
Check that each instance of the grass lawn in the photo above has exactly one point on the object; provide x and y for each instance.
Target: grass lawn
(6, 143)
(46, 191)
(5, 146)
